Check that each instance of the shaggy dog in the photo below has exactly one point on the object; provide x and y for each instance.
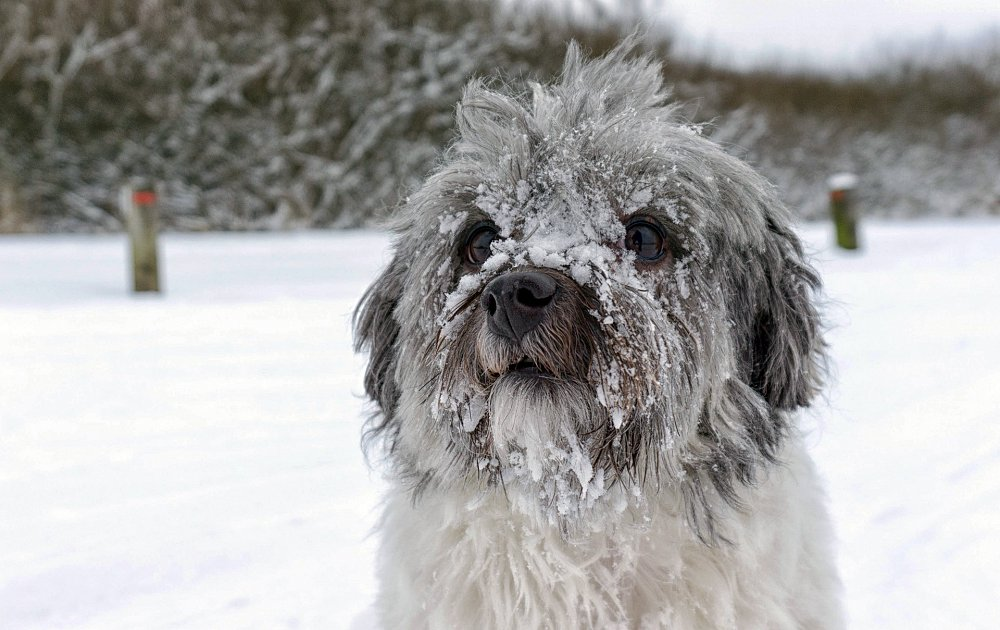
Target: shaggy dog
(587, 355)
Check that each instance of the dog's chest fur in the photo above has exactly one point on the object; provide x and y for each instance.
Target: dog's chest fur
(456, 560)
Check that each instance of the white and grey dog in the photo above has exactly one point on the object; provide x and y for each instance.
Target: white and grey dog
(587, 355)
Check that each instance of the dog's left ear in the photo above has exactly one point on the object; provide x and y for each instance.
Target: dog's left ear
(377, 330)
(786, 353)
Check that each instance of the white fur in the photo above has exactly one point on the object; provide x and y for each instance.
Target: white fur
(485, 561)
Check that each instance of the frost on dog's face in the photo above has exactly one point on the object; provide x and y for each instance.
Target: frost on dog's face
(576, 402)
(589, 302)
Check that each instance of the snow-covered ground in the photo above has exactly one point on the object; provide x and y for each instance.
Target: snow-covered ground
(192, 460)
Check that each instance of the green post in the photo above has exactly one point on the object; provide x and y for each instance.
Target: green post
(843, 209)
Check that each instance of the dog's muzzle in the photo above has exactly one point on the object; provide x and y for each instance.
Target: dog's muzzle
(516, 303)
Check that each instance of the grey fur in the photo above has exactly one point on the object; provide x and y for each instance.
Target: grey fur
(707, 357)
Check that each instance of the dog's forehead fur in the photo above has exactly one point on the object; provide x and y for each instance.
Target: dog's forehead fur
(571, 159)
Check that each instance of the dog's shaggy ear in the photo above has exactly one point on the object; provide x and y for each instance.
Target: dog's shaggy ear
(785, 356)
(377, 330)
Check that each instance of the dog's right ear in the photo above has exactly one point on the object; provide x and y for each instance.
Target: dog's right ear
(377, 331)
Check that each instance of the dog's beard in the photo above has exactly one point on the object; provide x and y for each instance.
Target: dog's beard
(532, 422)
(572, 417)
(535, 396)
(538, 391)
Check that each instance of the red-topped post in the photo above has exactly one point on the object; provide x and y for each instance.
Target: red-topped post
(138, 204)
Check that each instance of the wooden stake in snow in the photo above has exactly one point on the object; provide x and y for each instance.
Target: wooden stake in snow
(10, 205)
(138, 203)
(845, 216)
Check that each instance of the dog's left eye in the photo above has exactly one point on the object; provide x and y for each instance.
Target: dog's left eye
(646, 238)
(477, 244)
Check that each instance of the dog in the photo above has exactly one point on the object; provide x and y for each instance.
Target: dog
(587, 356)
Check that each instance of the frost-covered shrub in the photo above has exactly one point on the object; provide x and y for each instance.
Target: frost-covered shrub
(258, 115)
(250, 114)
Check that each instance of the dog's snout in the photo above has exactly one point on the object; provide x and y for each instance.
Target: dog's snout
(516, 303)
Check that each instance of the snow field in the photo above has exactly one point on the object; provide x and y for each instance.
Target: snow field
(192, 460)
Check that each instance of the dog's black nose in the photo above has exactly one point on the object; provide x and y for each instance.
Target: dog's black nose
(516, 303)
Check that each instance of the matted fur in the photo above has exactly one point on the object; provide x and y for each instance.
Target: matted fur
(652, 477)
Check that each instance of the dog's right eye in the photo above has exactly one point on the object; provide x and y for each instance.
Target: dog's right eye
(477, 245)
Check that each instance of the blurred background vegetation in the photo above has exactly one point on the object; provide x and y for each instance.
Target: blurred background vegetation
(254, 114)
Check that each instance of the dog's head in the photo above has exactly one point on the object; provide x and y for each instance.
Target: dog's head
(589, 301)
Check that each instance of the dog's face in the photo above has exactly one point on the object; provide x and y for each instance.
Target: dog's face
(589, 302)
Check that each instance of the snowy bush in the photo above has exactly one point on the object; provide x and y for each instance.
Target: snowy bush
(251, 114)
(261, 115)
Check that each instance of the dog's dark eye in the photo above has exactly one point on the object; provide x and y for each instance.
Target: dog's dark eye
(646, 238)
(477, 245)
